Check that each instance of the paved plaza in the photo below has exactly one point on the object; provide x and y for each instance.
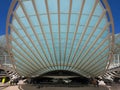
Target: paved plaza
(32, 87)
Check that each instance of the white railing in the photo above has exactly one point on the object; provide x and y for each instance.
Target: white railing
(5, 60)
(116, 61)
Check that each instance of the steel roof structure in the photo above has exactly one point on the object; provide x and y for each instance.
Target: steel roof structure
(48, 35)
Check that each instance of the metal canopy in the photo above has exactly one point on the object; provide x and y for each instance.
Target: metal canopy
(48, 35)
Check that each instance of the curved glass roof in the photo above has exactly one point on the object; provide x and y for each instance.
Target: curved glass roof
(48, 35)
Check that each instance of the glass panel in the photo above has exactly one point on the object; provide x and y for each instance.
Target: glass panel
(14, 35)
(41, 7)
(98, 10)
(84, 19)
(56, 36)
(93, 21)
(64, 5)
(54, 18)
(46, 29)
(72, 28)
(44, 19)
(15, 24)
(41, 37)
(38, 30)
(24, 22)
(78, 36)
(44, 44)
(102, 23)
(52, 5)
(97, 32)
(80, 29)
(70, 36)
(19, 41)
(48, 36)
(29, 7)
(105, 34)
(74, 18)
(64, 19)
(29, 31)
(19, 12)
(21, 32)
(76, 5)
(34, 20)
(55, 28)
(63, 35)
(88, 6)
(63, 28)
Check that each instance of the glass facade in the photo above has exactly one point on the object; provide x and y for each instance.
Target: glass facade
(48, 35)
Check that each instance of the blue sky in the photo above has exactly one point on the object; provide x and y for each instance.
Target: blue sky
(114, 4)
(115, 8)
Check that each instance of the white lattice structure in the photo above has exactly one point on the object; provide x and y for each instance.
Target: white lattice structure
(49, 35)
(116, 61)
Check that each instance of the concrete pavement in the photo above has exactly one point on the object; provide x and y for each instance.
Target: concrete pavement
(2, 86)
(11, 88)
(31, 87)
(115, 87)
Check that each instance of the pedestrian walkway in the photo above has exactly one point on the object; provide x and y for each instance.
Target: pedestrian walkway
(14, 87)
(31, 87)
(11, 88)
(2, 86)
(115, 87)
(63, 88)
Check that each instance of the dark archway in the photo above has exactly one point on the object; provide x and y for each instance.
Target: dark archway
(61, 73)
(61, 77)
